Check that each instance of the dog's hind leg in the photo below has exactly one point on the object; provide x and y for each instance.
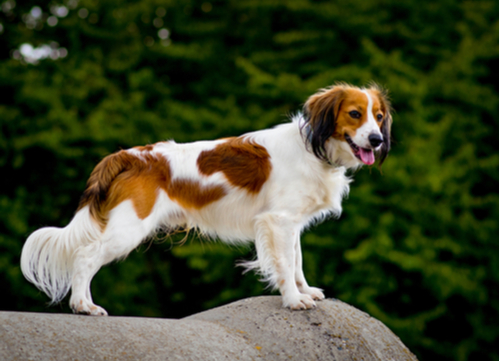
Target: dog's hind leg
(87, 261)
(124, 232)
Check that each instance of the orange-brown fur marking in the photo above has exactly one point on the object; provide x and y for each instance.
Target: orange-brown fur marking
(123, 176)
(381, 104)
(244, 163)
(100, 181)
(190, 194)
(142, 148)
(140, 184)
(326, 101)
(353, 100)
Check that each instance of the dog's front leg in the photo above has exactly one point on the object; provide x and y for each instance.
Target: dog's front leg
(300, 279)
(276, 253)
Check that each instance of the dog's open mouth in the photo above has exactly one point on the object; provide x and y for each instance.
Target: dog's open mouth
(365, 155)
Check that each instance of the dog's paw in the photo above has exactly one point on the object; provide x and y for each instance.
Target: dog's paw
(316, 293)
(299, 302)
(87, 308)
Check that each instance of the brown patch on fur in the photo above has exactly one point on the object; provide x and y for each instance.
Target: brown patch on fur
(124, 176)
(100, 181)
(324, 102)
(354, 100)
(189, 193)
(144, 148)
(381, 105)
(140, 184)
(245, 163)
(377, 107)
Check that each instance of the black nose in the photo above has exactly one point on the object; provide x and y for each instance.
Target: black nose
(375, 140)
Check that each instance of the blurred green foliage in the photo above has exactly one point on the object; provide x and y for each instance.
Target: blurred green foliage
(417, 244)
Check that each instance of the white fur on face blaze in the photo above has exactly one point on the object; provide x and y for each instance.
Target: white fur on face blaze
(369, 127)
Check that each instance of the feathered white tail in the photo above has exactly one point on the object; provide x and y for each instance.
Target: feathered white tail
(47, 256)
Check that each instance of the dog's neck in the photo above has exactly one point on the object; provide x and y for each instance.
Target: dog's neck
(332, 152)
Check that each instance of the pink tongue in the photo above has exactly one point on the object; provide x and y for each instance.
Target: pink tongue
(367, 156)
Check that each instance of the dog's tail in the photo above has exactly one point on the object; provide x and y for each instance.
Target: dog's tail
(48, 254)
(99, 184)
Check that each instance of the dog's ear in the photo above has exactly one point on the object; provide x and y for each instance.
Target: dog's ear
(320, 112)
(386, 124)
(386, 133)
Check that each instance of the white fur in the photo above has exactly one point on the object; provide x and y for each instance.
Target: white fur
(47, 256)
(300, 190)
(369, 127)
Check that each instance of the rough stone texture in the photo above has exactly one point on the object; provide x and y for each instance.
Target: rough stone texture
(251, 329)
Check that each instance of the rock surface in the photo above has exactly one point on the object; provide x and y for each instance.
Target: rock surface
(251, 329)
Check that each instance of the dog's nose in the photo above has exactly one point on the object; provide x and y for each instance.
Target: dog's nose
(375, 140)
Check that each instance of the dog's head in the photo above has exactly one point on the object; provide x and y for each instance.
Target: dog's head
(360, 118)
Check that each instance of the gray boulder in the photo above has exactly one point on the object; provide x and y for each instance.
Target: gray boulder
(251, 329)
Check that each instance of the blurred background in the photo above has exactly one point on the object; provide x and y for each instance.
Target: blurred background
(417, 244)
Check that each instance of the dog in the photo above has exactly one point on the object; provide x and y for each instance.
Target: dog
(266, 186)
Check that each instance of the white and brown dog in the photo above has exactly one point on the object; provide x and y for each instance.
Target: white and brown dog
(265, 187)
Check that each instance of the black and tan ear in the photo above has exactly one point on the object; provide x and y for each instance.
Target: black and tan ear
(386, 123)
(320, 112)
(386, 133)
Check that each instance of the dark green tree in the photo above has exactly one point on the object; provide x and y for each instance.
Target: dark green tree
(417, 244)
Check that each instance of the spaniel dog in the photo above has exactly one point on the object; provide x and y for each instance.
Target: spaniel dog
(265, 186)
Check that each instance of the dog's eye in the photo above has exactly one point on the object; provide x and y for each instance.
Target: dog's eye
(380, 117)
(355, 114)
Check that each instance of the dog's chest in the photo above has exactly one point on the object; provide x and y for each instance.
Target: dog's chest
(325, 194)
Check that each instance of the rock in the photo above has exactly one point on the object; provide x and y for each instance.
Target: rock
(251, 329)
(332, 331)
